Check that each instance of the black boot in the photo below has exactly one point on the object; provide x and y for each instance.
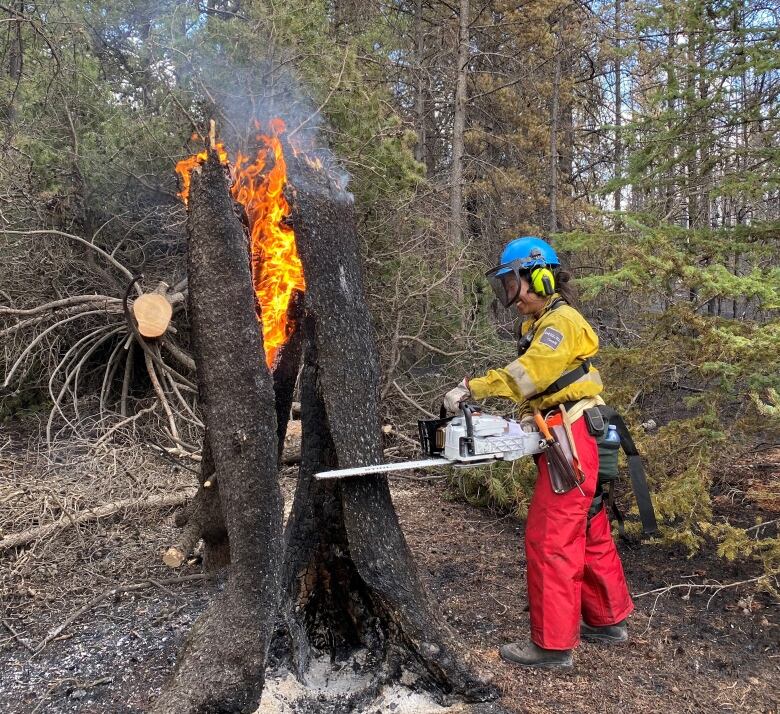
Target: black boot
(532, 655)
(606, 633)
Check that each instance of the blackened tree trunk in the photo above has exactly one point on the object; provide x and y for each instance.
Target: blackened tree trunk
(202, 518)
(285, 368)
(349, 579)
(222, 663)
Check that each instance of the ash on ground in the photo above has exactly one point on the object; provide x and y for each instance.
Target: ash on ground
(329, 687)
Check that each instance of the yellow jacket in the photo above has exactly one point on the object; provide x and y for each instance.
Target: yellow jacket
(562, 341)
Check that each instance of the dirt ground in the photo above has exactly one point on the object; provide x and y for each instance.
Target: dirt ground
(691, 649)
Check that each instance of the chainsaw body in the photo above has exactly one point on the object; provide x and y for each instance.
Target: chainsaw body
(474, 436)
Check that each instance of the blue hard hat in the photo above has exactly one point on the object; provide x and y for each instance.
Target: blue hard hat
(518, 258)
(532, 252)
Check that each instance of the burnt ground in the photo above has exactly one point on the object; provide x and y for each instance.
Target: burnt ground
(691, 650)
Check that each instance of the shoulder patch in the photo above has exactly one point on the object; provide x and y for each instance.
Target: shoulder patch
(551, 337)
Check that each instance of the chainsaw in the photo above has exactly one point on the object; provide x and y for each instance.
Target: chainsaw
(472, 438)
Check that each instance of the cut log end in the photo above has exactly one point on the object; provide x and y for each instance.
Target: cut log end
(174, 557)
(153, 313)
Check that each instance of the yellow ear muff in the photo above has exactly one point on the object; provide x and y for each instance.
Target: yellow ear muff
(542, 281)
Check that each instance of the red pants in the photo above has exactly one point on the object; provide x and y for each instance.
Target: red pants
(573, 566)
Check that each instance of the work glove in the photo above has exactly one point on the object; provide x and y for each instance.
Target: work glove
(528, 424)
(455, 397)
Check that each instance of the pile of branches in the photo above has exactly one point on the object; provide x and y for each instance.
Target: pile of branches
(75, 344)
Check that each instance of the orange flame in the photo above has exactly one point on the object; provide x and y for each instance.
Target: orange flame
(258, 185)
(185, 166)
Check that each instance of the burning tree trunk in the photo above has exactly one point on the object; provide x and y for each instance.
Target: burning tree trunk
(222, 663)
(349, 578)
(286, 367)
(202, 517)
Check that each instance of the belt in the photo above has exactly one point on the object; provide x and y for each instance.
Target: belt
(566, 405)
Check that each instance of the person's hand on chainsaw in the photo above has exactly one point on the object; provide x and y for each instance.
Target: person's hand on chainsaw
(455, 397)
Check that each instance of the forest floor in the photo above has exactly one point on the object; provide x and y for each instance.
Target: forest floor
(692, 649)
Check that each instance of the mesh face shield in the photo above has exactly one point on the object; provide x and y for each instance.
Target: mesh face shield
(505, 280)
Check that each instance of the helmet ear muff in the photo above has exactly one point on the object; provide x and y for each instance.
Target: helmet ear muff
(542, 281)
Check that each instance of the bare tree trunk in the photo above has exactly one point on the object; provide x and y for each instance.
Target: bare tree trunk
(554, 126)
(221, 666)
(350, 580)
(419, 100)
(458, 130)
(671, 80)
(566, 139)
(618, 105)
(15, 55)
(15, 52)
(202, 518)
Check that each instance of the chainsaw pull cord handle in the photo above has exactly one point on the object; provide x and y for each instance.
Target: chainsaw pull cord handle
(543, 428)
(466, 409)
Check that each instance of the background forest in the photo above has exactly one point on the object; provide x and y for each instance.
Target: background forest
(641, 137)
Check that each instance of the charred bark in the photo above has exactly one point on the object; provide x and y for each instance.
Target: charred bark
(221, 666)
(349, 575)
(285, 369)
(202, 519)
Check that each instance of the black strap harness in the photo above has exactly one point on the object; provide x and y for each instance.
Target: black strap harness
(566, 378)
(636, 471)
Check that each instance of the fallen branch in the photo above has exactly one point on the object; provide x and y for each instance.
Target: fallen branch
(54, 304)
(18, 637)
(125, 422)
(390, 430)
(78, 239)
(169, 499)
(761, 525)
(717, 587)
(414, 338)
(76, 685)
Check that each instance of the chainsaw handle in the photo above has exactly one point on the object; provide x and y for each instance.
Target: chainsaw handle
(542, 424)
(466, 409)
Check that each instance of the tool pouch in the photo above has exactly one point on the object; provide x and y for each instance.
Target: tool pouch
(563, 477)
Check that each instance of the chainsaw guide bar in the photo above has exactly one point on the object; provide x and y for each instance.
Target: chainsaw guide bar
(383, 468)
(471, 439)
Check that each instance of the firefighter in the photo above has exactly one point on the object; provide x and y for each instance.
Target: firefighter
(576, 586)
